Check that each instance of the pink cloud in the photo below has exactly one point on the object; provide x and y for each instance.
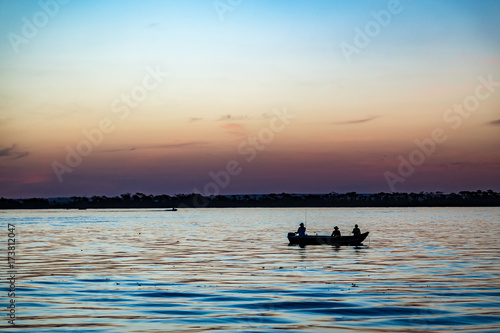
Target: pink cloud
(492, 60)
(234, 129)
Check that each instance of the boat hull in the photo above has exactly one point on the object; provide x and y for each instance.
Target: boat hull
(328, 240)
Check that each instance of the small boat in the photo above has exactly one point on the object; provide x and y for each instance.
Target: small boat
(171, 210)
(329, 240)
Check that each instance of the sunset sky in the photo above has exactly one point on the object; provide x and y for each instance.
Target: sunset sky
(248, 96)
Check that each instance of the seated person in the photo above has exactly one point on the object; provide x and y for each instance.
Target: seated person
(336, 232)
(356, 230)
(302, 230)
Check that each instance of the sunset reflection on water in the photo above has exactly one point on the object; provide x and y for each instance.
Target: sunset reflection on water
(194, 270)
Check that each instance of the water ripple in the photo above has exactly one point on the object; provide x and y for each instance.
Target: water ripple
(231, 270)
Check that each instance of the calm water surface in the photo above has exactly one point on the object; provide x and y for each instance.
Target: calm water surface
(231, 270)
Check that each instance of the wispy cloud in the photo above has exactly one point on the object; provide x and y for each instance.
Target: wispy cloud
(492, 60)
(357, 121)
(194, 119)
(243, 117)
(462, 165)
(234, 129)
(494, 123)
(153, 25)
(13, 152)
(229, 117)
(163, 146)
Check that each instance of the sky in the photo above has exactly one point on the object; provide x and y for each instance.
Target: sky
(240, 97)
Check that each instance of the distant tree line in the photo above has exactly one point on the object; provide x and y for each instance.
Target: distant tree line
(352, 199)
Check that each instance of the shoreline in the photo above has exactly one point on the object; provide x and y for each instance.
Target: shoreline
(478, 198)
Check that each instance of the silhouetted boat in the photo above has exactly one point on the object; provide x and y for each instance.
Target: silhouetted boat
(171, 210)
(329, 240)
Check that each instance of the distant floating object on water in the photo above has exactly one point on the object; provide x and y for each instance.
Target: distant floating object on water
(171, 210)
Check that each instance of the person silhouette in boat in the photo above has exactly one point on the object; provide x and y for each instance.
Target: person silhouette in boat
(336, 232)
(302, 230)
(356, 231)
